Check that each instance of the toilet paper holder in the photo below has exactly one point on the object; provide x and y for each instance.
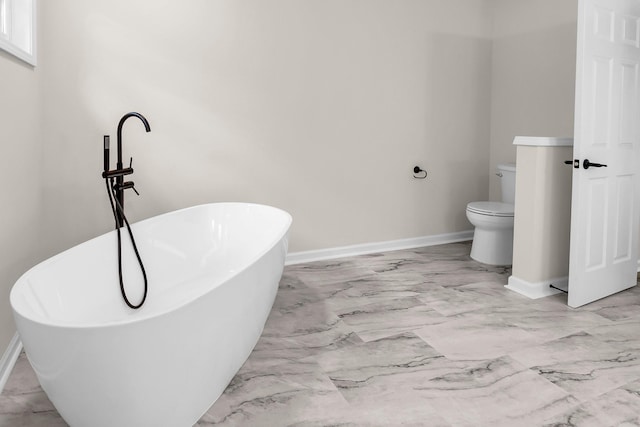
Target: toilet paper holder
(418, 170)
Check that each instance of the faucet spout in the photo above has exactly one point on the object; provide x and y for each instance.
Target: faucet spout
(122, 120)
(119, 176)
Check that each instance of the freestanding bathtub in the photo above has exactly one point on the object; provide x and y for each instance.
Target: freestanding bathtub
(213, 276)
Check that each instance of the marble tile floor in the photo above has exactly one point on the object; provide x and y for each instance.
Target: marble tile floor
(422, 337)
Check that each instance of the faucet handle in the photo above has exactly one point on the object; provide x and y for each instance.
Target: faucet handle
(131, 182)
(127, 184)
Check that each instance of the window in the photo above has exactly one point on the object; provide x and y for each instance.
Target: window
(17, 29)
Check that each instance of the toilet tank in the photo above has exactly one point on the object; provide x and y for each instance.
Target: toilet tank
(507, 172)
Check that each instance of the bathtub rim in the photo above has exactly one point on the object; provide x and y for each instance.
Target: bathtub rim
(148, 316)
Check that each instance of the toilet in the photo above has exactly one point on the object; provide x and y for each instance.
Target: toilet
(493, 222)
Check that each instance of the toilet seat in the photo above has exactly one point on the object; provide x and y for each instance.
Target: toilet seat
(497, 209)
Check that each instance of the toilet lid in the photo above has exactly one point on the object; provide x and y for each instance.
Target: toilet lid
(491, 208)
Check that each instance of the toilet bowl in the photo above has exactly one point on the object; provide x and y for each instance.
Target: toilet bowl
(493, 222)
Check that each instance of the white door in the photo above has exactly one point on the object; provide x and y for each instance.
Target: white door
(605, 202)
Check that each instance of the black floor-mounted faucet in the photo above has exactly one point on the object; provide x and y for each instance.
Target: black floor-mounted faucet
(119, 172)
(114, 181)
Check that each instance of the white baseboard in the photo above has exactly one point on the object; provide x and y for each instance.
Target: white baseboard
(9, 359)
(369, 248)
(535, 290)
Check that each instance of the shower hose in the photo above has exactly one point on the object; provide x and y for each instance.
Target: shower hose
(117, 209)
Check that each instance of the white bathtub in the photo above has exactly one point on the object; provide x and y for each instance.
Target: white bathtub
(213, 276)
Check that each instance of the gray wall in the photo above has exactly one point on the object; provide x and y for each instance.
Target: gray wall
(319, 107)
(533, 73)
(20, 178)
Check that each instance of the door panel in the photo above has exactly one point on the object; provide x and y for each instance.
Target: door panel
(601, 102)
(596, 218)
(605, 216)
(623, 241)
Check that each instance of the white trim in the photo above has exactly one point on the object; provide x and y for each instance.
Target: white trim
(535, 290)
(9, 359)
(369, 248)
(541, 141)
(25, 53)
